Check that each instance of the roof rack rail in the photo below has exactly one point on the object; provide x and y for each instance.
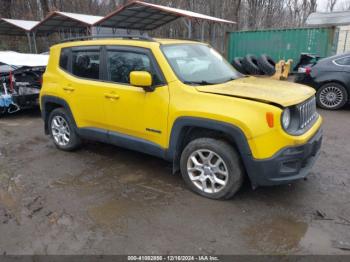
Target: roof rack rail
(126, 36)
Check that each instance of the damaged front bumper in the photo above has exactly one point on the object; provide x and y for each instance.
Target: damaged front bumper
(288, 165)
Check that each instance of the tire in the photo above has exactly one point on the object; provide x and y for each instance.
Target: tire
(62, 130)
(266, 65)
(250, 64)
(231, 172)
(237, 64)
(331, 96)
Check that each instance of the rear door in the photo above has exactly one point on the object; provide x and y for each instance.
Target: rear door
(84, 89)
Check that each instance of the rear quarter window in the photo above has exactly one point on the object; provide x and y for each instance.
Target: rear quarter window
(345, 61)
(64, 56)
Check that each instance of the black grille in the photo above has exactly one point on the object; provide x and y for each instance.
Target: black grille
(307, 112)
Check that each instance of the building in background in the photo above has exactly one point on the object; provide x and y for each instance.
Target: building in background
(340, 20)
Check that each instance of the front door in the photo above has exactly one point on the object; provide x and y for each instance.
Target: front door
(132, 111)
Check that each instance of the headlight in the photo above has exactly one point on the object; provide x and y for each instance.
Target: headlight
(286, 119)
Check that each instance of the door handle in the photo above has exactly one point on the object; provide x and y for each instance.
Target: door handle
(111, 96)
(68, 88)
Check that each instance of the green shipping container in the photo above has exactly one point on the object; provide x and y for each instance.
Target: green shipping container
(281, 43)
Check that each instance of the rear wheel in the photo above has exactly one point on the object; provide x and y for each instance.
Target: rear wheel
(62, 130)
(331, 96)
(211, 168)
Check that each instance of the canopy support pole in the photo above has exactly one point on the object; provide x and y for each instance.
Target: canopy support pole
(213, 36)
(34, 41)
(188, 24)
(29, 42)
(202, 31)
(98, 29)
(222, 42)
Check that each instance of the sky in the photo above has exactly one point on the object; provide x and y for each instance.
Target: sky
(322, 4)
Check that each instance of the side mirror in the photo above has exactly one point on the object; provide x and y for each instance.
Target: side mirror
(141, 79)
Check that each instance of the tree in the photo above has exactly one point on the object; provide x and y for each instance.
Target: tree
(346, 6)
(45, 7)
(331, 4)
(249, 14)
(5, 8)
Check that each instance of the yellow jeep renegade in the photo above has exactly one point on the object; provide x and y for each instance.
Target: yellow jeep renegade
(181, 101)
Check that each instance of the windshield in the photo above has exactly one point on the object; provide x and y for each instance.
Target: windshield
(199, 64)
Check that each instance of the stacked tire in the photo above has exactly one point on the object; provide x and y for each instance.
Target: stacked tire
(252, 65)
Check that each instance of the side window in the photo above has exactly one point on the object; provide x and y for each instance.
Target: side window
(86, 64)
(343, 61)
(64, 58)
(121, 63)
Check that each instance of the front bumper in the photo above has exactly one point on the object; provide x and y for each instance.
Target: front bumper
(287, 165)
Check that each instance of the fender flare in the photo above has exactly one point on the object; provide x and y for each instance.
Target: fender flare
(58, 101)
(234, 132)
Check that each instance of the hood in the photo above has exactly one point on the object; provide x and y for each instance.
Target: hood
(262, 89)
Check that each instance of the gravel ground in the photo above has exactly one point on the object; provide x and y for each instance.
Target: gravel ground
(107, 200)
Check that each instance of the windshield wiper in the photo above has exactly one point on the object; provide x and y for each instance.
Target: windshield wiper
(230, 79)
(200, 83)
(235, 78)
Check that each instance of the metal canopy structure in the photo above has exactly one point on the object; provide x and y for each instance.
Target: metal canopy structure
(143, 16)
(136, 15)
(57, 22)
(16, 27)
(330, 18)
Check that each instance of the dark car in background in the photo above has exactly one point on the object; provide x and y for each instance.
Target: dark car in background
(331, 79)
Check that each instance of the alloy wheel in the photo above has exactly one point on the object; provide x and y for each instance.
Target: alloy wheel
(207, 171)
(331, 96)
(60, 130)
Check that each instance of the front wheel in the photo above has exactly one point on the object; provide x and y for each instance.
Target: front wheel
(211, 168)
(331, 96)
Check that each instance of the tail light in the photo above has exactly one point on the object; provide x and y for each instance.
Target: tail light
(308, 70)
